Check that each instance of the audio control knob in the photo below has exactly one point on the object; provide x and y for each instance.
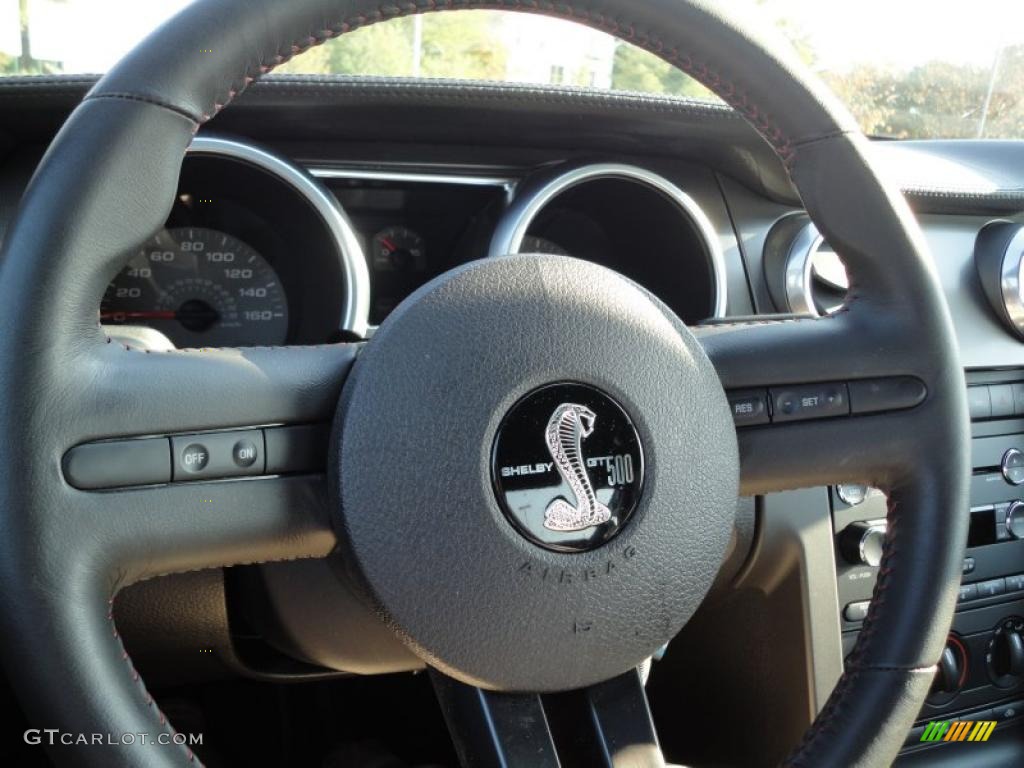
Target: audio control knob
(1004, 656)
(1012, 466)
(862, 543)
(1015, 520)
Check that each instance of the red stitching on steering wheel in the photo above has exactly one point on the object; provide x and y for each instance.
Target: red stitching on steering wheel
(137, 678)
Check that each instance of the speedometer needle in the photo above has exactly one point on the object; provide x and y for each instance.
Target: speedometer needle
(154, 315)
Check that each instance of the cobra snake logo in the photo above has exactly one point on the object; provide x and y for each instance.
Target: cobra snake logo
(567, 427)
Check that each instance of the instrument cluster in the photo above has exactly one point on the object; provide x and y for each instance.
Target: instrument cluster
(258, 251)
(254, 253)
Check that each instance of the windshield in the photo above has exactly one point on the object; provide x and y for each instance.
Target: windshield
(942, 69)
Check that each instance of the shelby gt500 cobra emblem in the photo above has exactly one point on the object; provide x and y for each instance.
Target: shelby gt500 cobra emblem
(567, 467)
(569, 424)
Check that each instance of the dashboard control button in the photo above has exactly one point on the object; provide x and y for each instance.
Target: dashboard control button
(218, 454)
(991, 588)
(816, 401)
(979, 402)
(968, 592)
(1018, 398)
(857, 611)
(118, 463)
(1015, 583)
(968, 566)
(890, 394)
(999, 518)
(852, 494)
(749, 407)
(1012, 466)
(862, 543)
(1001, 396)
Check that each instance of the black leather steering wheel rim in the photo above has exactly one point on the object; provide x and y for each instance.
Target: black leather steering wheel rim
(107, 183)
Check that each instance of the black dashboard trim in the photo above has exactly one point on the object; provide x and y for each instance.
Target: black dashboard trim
(449, 111)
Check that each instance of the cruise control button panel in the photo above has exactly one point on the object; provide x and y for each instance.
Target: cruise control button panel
(802, 402)
(128, 462)
(217, 454)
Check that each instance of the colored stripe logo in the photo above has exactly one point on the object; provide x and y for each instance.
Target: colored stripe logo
(958, 730)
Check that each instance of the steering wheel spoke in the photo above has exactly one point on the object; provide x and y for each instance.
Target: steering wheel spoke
(869, 435)
(607, 725)
(181, 527)
(139, 403)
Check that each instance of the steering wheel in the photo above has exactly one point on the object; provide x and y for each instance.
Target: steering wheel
(410, 507)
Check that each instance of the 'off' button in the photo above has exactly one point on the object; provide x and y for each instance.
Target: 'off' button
(195, 457)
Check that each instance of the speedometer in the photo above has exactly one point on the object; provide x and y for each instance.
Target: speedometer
(200, 287)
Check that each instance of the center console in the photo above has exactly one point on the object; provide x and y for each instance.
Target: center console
(980, 676)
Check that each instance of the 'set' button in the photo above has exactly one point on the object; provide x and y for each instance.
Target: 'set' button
(817, 401)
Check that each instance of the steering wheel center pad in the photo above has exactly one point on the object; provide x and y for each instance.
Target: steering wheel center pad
(419, 518)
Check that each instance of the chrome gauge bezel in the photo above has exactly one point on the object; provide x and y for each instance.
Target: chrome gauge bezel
(534, 194)
(355, 313)
(1011, 265)
(789, 253)
(799, 271)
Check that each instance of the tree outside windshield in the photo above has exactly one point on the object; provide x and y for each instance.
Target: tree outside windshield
(941, 69)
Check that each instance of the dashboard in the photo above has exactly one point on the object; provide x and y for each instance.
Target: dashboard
(261, 250)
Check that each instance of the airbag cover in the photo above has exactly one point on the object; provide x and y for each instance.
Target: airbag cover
(420, 526)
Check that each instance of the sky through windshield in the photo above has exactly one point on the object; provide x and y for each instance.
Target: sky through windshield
(907, 69)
